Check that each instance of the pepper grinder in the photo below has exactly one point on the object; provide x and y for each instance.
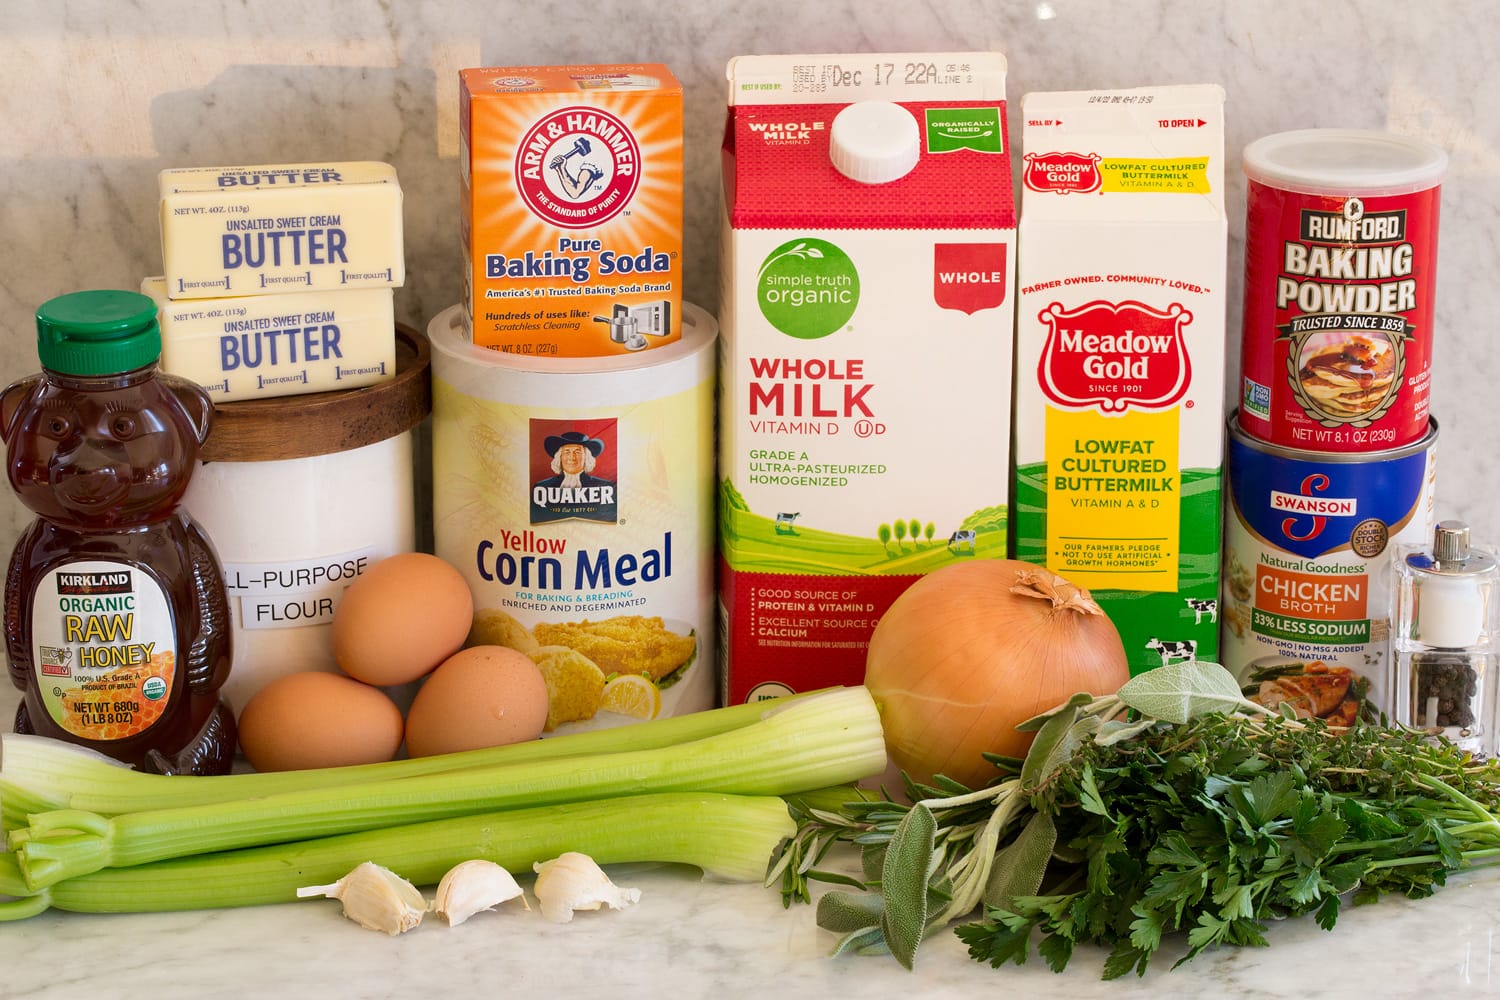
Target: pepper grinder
(1445, 638)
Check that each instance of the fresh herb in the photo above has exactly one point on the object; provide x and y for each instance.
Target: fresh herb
(1204, 815)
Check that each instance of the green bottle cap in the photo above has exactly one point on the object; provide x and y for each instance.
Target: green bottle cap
(101, 332)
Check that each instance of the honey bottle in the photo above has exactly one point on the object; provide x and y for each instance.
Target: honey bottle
(117, 624)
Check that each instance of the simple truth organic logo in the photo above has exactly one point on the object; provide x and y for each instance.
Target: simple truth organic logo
(807, 288)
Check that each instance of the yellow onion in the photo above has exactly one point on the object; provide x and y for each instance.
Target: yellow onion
(971, 650)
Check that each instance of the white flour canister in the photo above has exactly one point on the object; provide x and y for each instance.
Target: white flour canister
(300, 494)
(576, 497)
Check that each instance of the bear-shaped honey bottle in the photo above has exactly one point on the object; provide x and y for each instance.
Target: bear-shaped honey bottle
(117, 624)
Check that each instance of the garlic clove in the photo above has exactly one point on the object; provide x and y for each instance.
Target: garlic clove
(473, 886)
(574, 881)
(375, 898)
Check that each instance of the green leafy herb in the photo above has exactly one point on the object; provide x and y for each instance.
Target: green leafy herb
(1206, 816)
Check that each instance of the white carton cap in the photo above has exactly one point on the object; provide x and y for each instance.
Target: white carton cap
(1335, 162)
(874, 142)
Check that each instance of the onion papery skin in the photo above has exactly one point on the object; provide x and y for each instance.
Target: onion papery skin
(959, 660)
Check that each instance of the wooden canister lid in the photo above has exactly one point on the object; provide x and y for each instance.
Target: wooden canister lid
(322, 423)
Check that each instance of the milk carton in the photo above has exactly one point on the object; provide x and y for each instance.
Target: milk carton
(866, 329)
(572, 208)
(1120, 357)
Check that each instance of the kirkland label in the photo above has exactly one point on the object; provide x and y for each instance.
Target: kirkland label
(105, 647)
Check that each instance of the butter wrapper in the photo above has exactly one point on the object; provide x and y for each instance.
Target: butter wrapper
(259, 346)
(232, 231)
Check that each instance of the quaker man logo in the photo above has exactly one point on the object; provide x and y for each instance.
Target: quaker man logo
(1115, 356)
(1062, 173)
(573, 473)
(578, 167)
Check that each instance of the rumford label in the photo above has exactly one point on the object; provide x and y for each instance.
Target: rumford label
(573, 208)
(1120, 354)
(1338, 318)
(865, 371)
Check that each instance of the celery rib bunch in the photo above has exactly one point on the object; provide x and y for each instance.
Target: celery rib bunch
(701, 790)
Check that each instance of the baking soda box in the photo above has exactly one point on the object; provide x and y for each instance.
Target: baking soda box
(1120, 336)
(866, 340)
(572, 208)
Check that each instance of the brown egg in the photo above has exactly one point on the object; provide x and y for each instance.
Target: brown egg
(402, 617)
(318, 719)
(484, 696)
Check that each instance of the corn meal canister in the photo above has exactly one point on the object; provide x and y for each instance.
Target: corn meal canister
(1340, 268)
(1308, 543)
(576, 497)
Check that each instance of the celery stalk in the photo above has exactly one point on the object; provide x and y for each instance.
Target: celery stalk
(824, 739)
(730, 837)
(39, 774)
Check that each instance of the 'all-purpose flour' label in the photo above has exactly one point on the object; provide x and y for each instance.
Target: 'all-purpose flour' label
(865, 367)
(1120, 333)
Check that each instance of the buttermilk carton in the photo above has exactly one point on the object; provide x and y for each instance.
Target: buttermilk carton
(866, 324)
(572, 208)
(1120, 336)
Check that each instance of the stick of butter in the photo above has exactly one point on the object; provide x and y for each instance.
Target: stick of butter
(258, 346)
(272, 229)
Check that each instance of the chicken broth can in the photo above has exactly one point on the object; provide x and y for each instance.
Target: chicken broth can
(576, 497)
(1307, 574)
(1340, 252)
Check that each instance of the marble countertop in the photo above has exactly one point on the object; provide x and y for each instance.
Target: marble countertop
(692, 938)
(688, 938)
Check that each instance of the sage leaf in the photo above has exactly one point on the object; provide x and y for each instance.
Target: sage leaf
(1036, 722)
(865, 941)
(872, 860)
(908, 863)
(1180, 692)
(1114, 731)
(843, 912)
(1055, 745)
(1021, 864)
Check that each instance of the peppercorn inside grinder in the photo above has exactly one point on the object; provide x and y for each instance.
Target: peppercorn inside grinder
(1444, 638)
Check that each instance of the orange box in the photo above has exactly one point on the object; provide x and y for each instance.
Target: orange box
(572, 208)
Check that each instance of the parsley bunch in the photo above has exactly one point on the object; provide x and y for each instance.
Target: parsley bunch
(1204, 815)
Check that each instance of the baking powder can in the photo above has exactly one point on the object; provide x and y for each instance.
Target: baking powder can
(576, 497)
(1308, 539)
(1340, 251)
